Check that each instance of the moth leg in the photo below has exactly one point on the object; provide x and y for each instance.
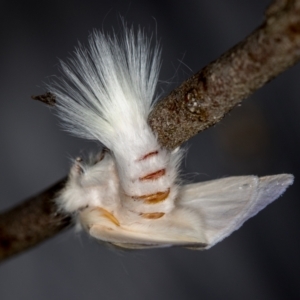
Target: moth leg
(99, 156)
(77, 170)
(105, 213)
(98, 216)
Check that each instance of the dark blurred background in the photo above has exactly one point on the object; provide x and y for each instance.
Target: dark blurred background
(260, 261)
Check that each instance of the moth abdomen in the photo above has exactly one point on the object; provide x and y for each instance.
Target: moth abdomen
(152, 189)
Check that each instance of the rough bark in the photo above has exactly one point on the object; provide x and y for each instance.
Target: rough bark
(205, 98)
(31, 222)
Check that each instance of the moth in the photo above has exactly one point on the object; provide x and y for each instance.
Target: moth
(129, 194)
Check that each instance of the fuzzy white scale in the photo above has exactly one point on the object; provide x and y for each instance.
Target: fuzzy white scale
(128, 195)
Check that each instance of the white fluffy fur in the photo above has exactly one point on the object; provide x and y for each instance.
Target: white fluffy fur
(106, 94)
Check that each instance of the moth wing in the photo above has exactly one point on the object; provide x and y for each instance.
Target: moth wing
(142, 240)
(140, 234)
(225, 204)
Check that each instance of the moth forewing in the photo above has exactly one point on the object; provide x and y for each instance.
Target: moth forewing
(174, 229)
(225, 204)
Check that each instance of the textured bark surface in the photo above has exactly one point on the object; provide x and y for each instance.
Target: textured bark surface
(31, 222)
(208, 95)
(197, 104)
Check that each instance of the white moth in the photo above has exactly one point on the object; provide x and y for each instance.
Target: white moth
(129, 195)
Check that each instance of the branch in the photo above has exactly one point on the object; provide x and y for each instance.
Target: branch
(204, 99)
(197, 104)
(31, 222)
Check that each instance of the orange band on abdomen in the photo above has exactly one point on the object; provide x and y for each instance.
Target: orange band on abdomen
(149, 155)
(153, 198)
(154, 175)
(152, 216)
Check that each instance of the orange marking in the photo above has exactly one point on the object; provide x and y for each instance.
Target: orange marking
(149, 155)
(153, 198)
(108, 215)
(154, 175)
(152, 216)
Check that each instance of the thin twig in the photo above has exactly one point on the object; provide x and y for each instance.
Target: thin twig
(197, 104)
(47, 98)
